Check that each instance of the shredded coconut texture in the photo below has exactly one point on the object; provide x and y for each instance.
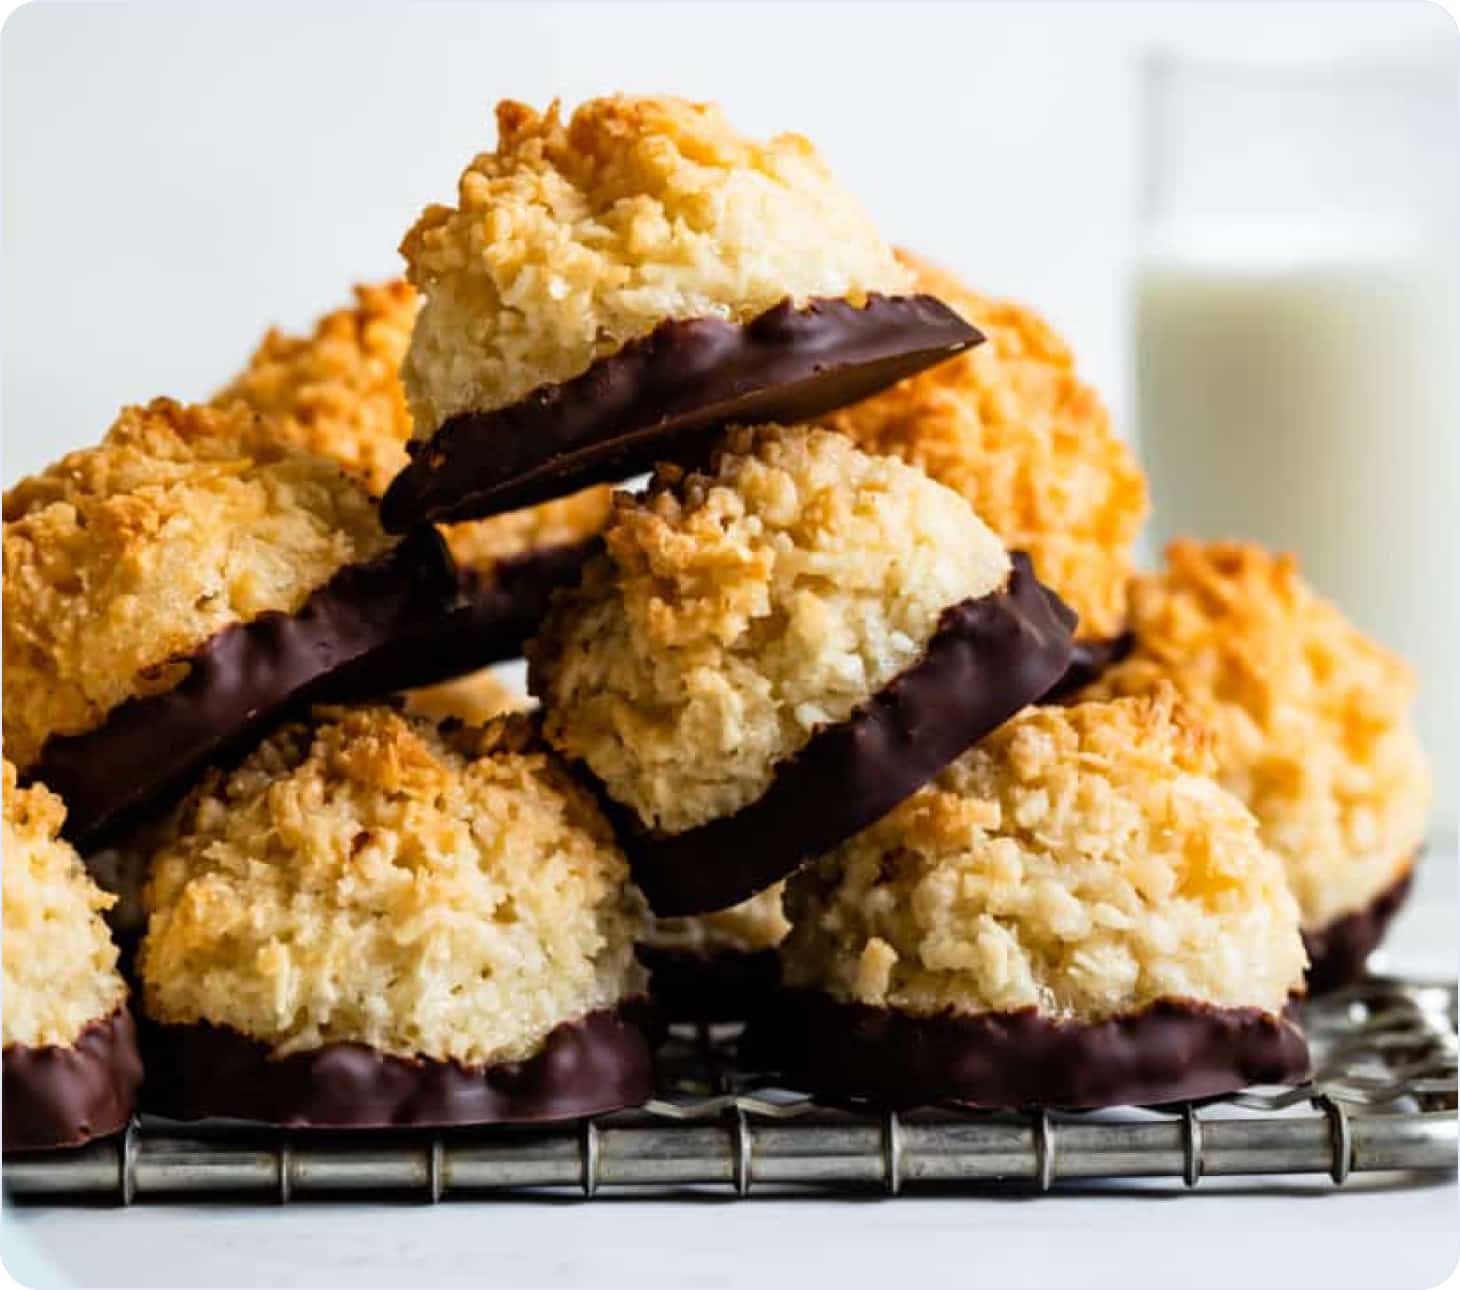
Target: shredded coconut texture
(736, 612)
(1312, 720)
(574, 237)
(337, 392)
(443, 892)
(1079, 861)
(123, 558)
(1011, 426)
(60, 962)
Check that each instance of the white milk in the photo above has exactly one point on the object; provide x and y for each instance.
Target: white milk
(1302, 391)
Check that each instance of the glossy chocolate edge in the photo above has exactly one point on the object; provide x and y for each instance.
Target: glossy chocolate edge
(498, 609)
(1338, 951)
(709, 985)
(600, 1062)
(360, 630)
(61, 1096)
(989, 658)
(1089, 660)
(1173, 1050)
(662, 396)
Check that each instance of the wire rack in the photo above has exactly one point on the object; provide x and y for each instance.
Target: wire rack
(1383, 1098)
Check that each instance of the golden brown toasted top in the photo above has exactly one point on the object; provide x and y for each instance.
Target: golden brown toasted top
(574, 237)
(126, 556)
(1011, 426)
(1251, 647)
(1078, 861)
(337, 391)
(371, 877)
(738, 609)
(1311, 720)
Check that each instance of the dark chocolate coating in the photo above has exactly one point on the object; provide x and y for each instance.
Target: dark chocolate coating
(714, 985)
(359, 631)
(601, 1062)
(63, 1096)
(664, 396)
(495, 612)
(1337, 952)
(989, 658)
(1174, 1050)
(1088, 660)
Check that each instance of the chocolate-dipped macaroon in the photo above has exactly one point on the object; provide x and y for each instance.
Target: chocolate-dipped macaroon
(167, 591)
(1073, 914)
(611, 289)
(1313, 731)
(720, 966)
(337, 392)
(377, 921)
(772, 654)
(1012, 427)
(70, 1060)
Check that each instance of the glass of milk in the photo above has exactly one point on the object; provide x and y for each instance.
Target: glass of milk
(1296, 339)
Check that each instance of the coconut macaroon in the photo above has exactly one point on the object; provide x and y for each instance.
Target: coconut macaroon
(70, 1058)
(1012, 427)
(1074, 913)
(147, 579)
(376, 920)
(609, 283)
(1312, 727)
(571, 238)
(720, 966)
(769, 655)
(338, 392)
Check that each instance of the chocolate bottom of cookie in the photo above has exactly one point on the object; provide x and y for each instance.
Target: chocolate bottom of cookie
(709, 985)
(601, 1062)
(493, 615)
(1171, 1051)
(664, 396)
(63, 1096)
(358, 632)
(1338, 951)
(988, 659)
(1088, 661)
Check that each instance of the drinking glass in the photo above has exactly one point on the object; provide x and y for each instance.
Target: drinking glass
(1297, 338)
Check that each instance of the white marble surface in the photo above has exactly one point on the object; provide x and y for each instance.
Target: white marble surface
(1225, 1234)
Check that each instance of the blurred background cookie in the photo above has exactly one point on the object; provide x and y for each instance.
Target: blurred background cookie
(1012, 427)
(373, 920)
(1312, 727)
(1073, 914)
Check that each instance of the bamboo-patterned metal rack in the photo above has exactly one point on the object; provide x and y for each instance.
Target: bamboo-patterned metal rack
(1383, 1098)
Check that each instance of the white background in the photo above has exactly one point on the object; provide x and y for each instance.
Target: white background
(175, 178)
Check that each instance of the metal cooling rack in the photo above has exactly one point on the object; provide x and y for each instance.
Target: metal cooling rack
(1383, 1098)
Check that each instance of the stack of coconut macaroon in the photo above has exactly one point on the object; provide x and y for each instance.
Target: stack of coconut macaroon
(855, 721)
